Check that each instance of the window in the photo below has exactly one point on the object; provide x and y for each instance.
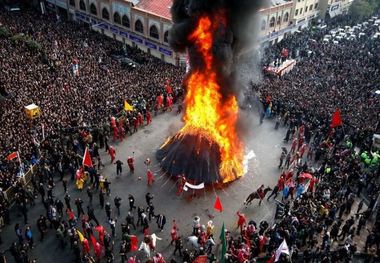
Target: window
(310, 7)
(72, 2)
(316, 5)
(286, 17)
(116, 18)
(278, 20)
(166, 36)
(301, 10)
(272, 21)
(105, 14)
(82, 5)
(93, 9)
(125, 21)
(263, 24)
(153, 32)
(139, 27)
(296, 13)
(306, 9)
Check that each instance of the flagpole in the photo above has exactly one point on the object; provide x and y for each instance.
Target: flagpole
(18, 157)
(43, 131)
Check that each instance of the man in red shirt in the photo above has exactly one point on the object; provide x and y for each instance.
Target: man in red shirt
(131, 165)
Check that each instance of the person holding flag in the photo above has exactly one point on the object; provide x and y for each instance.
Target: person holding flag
(283, 249)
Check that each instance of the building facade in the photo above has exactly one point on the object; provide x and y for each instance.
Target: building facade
(331, 8)
(276, 22)
(146, 23)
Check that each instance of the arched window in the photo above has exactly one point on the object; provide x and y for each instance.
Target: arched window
(72, 2)
(278, 20)
(117, 18)
(82, 5)
(272, 21)
(166, 36)
(93, 10)
(125, 21)
(263, 24)
(105, 14)
(286, 17)
(153, 32)
(139, 27)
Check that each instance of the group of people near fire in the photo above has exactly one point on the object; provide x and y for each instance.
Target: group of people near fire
(328, 174)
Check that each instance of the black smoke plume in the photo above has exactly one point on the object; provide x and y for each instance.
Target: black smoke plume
(233, 45)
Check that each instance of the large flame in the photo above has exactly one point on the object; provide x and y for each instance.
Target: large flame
(207, 113)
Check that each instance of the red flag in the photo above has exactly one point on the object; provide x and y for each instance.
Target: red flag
(336, 119)
(134, 243)
(12, 156)
(87, 159)
(218, 204)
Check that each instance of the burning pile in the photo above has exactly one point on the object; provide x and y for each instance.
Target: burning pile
(208, 148)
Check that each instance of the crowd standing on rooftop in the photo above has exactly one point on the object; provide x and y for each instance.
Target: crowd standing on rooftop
(321, 217)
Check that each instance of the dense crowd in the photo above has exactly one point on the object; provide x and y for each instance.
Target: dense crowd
(319, 222)
(321, 216)
(67, 100)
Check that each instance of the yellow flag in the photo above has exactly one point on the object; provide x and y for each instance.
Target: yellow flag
(127, 106)
(81, 237)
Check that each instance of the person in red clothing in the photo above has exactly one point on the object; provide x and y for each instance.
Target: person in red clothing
(294, 145)
(168, 87)
(261, 193)
(121, 130)
(173, 233)
(241, 220)
(148, 117)
(131, 164)
(281, 183)
(180, 184)
(100, 229)
(98, 251)
(150, 177)
(115, 133)
(140, 119)
(262, 241)
(169, 102)
(159, 101)
(135, 124)
(112, 153)
(302, 150)
(85, 247)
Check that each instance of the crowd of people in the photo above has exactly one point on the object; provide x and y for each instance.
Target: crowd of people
(317, 218)
(81, 89)
(70, 98)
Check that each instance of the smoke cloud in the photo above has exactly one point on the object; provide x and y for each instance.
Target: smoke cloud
(235, 44)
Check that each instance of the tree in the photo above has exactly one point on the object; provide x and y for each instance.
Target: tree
(363, 9)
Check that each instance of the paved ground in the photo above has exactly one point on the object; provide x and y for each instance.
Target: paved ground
(264, 141)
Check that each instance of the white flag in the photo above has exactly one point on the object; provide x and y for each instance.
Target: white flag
(283, 248)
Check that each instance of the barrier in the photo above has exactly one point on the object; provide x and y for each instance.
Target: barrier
(10, 193)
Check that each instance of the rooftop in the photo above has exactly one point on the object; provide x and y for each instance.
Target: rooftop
(158, 7)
